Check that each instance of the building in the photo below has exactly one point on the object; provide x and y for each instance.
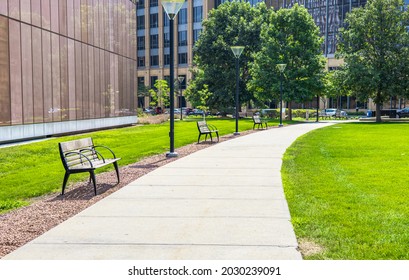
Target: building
(65, 66)
(153, 41)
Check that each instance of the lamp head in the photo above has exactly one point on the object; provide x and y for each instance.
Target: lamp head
(281, 67)
(237, 50)
(172, 7)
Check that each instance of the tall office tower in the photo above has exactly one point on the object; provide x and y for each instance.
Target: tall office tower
(329, 15)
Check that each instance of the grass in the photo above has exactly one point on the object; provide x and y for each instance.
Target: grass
(33, 170)
(348, 191)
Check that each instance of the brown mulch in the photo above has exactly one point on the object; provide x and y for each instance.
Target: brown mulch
(25, 224)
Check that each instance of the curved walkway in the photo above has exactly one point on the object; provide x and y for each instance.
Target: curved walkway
(223, 202)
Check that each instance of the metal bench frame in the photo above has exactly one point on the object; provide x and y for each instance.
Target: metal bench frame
(81, 155)
(257, 121)
(206, 129)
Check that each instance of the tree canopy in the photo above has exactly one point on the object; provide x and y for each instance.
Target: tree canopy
(231, 24)
(374, 44)
(291, 37)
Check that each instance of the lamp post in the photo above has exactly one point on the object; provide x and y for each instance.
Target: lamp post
(237, 50)
(172, 8)
(281, 68)
(180, 79)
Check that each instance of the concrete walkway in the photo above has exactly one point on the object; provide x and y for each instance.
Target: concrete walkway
(223, 202)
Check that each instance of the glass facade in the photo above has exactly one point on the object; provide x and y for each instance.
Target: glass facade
(329, 15)
(66, 60)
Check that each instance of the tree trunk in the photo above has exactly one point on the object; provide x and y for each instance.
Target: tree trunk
(290, 112)
(378, 108)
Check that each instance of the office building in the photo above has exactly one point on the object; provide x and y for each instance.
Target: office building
(66, 65)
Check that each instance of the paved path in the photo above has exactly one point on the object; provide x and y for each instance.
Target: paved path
(223, 202)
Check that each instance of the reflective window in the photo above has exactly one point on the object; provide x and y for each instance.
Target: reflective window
(154, 41)
(154, 60)
(141, 22)
(141, 42)
(166, 59)
(153, 19)
(182, 38)
(197, 14)
(182, 58)
(182, 16)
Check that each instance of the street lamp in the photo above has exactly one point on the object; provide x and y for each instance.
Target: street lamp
(237, 50)
(180, 79)
(172, 8)
(281, 67)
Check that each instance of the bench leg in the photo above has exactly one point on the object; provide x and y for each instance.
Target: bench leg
(92, 176)
(217, 133)
(254, 125)
(211, 138)
(198, 138)
(65, 181)
(117, 170)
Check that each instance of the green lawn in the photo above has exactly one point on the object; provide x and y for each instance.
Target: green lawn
(347, 188)
(32, 170)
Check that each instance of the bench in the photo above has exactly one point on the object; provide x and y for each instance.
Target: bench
(206, 129)
(82, 156)
(259, 122)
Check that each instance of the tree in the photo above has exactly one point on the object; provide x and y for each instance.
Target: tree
(160, 94)
(290, 36)
(231, 24)
(374, 44)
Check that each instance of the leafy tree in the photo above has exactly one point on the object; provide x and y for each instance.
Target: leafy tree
(290, 36)
(160, 94)
(374, 44)
(231, 24)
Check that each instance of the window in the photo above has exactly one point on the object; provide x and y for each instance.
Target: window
(166, 59)
(197, 14)
(141, 61)
(166, 40)
(141, 82)
(182, 17)
(153, 3)
(153, 20)
(182, 57)
(165, 19)
(182, 38)
(153, 80)
(141, 43)
(154, 41)
(154, 60)
(140, 22)
(141, 4)
(196, 34)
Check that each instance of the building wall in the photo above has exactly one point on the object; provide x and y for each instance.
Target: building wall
(153, 41)
(66, 65)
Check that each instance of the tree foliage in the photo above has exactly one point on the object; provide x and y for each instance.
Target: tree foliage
(374, 44)
(160, 94)
(231, 24)
(290, 36)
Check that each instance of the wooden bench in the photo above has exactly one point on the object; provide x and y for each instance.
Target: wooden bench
(82, 156)
(207, 129)
(257, 121)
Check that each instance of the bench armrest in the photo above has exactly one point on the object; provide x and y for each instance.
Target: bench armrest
(81, 156)
(100, 146)
(92, 150)
(211, 127)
